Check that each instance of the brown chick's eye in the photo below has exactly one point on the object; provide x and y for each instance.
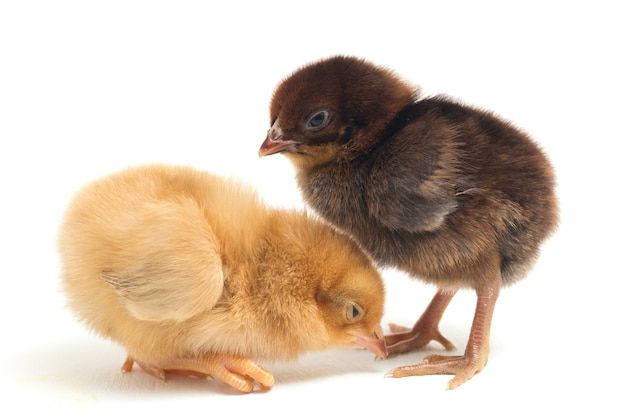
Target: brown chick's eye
(354, 312)
(318, 120)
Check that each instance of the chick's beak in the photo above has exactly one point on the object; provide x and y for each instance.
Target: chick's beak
(375, 343)
(275, 142)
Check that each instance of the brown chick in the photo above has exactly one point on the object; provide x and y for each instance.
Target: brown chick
(446, 192)
(194, 275)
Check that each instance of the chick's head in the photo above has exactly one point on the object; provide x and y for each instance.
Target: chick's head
(318, 290)
(350, 304)
(349, 294)
(334, 104)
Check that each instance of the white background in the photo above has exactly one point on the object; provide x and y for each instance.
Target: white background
(87, 88)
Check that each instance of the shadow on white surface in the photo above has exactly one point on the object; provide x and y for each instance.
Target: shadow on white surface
(96, 364)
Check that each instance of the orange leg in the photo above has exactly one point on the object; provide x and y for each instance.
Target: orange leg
(425, 330)
(477, 350)
(240, 373)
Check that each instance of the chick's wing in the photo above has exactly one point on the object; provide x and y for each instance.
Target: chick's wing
(412, 184)
(169, 267)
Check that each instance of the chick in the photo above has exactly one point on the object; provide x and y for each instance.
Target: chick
(194, 275)
(449, 193)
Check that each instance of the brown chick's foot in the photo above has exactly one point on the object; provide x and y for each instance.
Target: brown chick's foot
(239, 373)
(477, 350)
(413, 339)
(463, 367)
(426, 329)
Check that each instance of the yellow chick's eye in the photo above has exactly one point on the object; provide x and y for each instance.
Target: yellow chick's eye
(354, 312)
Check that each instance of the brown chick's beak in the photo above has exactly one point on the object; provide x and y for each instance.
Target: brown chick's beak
(374, 343)
(270, 146)
(274, 142)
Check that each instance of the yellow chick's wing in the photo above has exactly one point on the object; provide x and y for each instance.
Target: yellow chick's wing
(169, 267)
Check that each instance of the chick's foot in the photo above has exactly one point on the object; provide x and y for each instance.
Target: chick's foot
(239, 373)
(149, 369)
(425, 330)
(463, 367)
(477, 350)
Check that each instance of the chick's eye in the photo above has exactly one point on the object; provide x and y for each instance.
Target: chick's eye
(318, 120)
(354, 312)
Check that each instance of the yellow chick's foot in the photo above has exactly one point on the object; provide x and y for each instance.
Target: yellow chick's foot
(463, 367)
(240, 373)
(156, 372)
(150, 370)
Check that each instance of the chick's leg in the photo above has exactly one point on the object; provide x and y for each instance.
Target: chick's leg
(425, 330)
(477, 350)
(240, 373)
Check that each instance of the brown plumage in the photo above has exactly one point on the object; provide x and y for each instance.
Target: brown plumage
(194, 275)
(449, 193)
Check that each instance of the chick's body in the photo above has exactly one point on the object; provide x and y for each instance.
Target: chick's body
(426, 201)
(449, 193)
(193, 274)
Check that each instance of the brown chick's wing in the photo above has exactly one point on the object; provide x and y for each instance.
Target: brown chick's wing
(413, 181)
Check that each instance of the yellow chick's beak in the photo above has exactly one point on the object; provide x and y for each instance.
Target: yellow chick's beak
(375, 343)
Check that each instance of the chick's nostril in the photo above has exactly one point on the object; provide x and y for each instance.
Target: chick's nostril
(275, 133)
(378, 333)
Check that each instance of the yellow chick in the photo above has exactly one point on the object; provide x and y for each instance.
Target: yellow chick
(193, 274)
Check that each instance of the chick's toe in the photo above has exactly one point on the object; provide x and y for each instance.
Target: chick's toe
(463, 367)
(425, 330)
(239, 373)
